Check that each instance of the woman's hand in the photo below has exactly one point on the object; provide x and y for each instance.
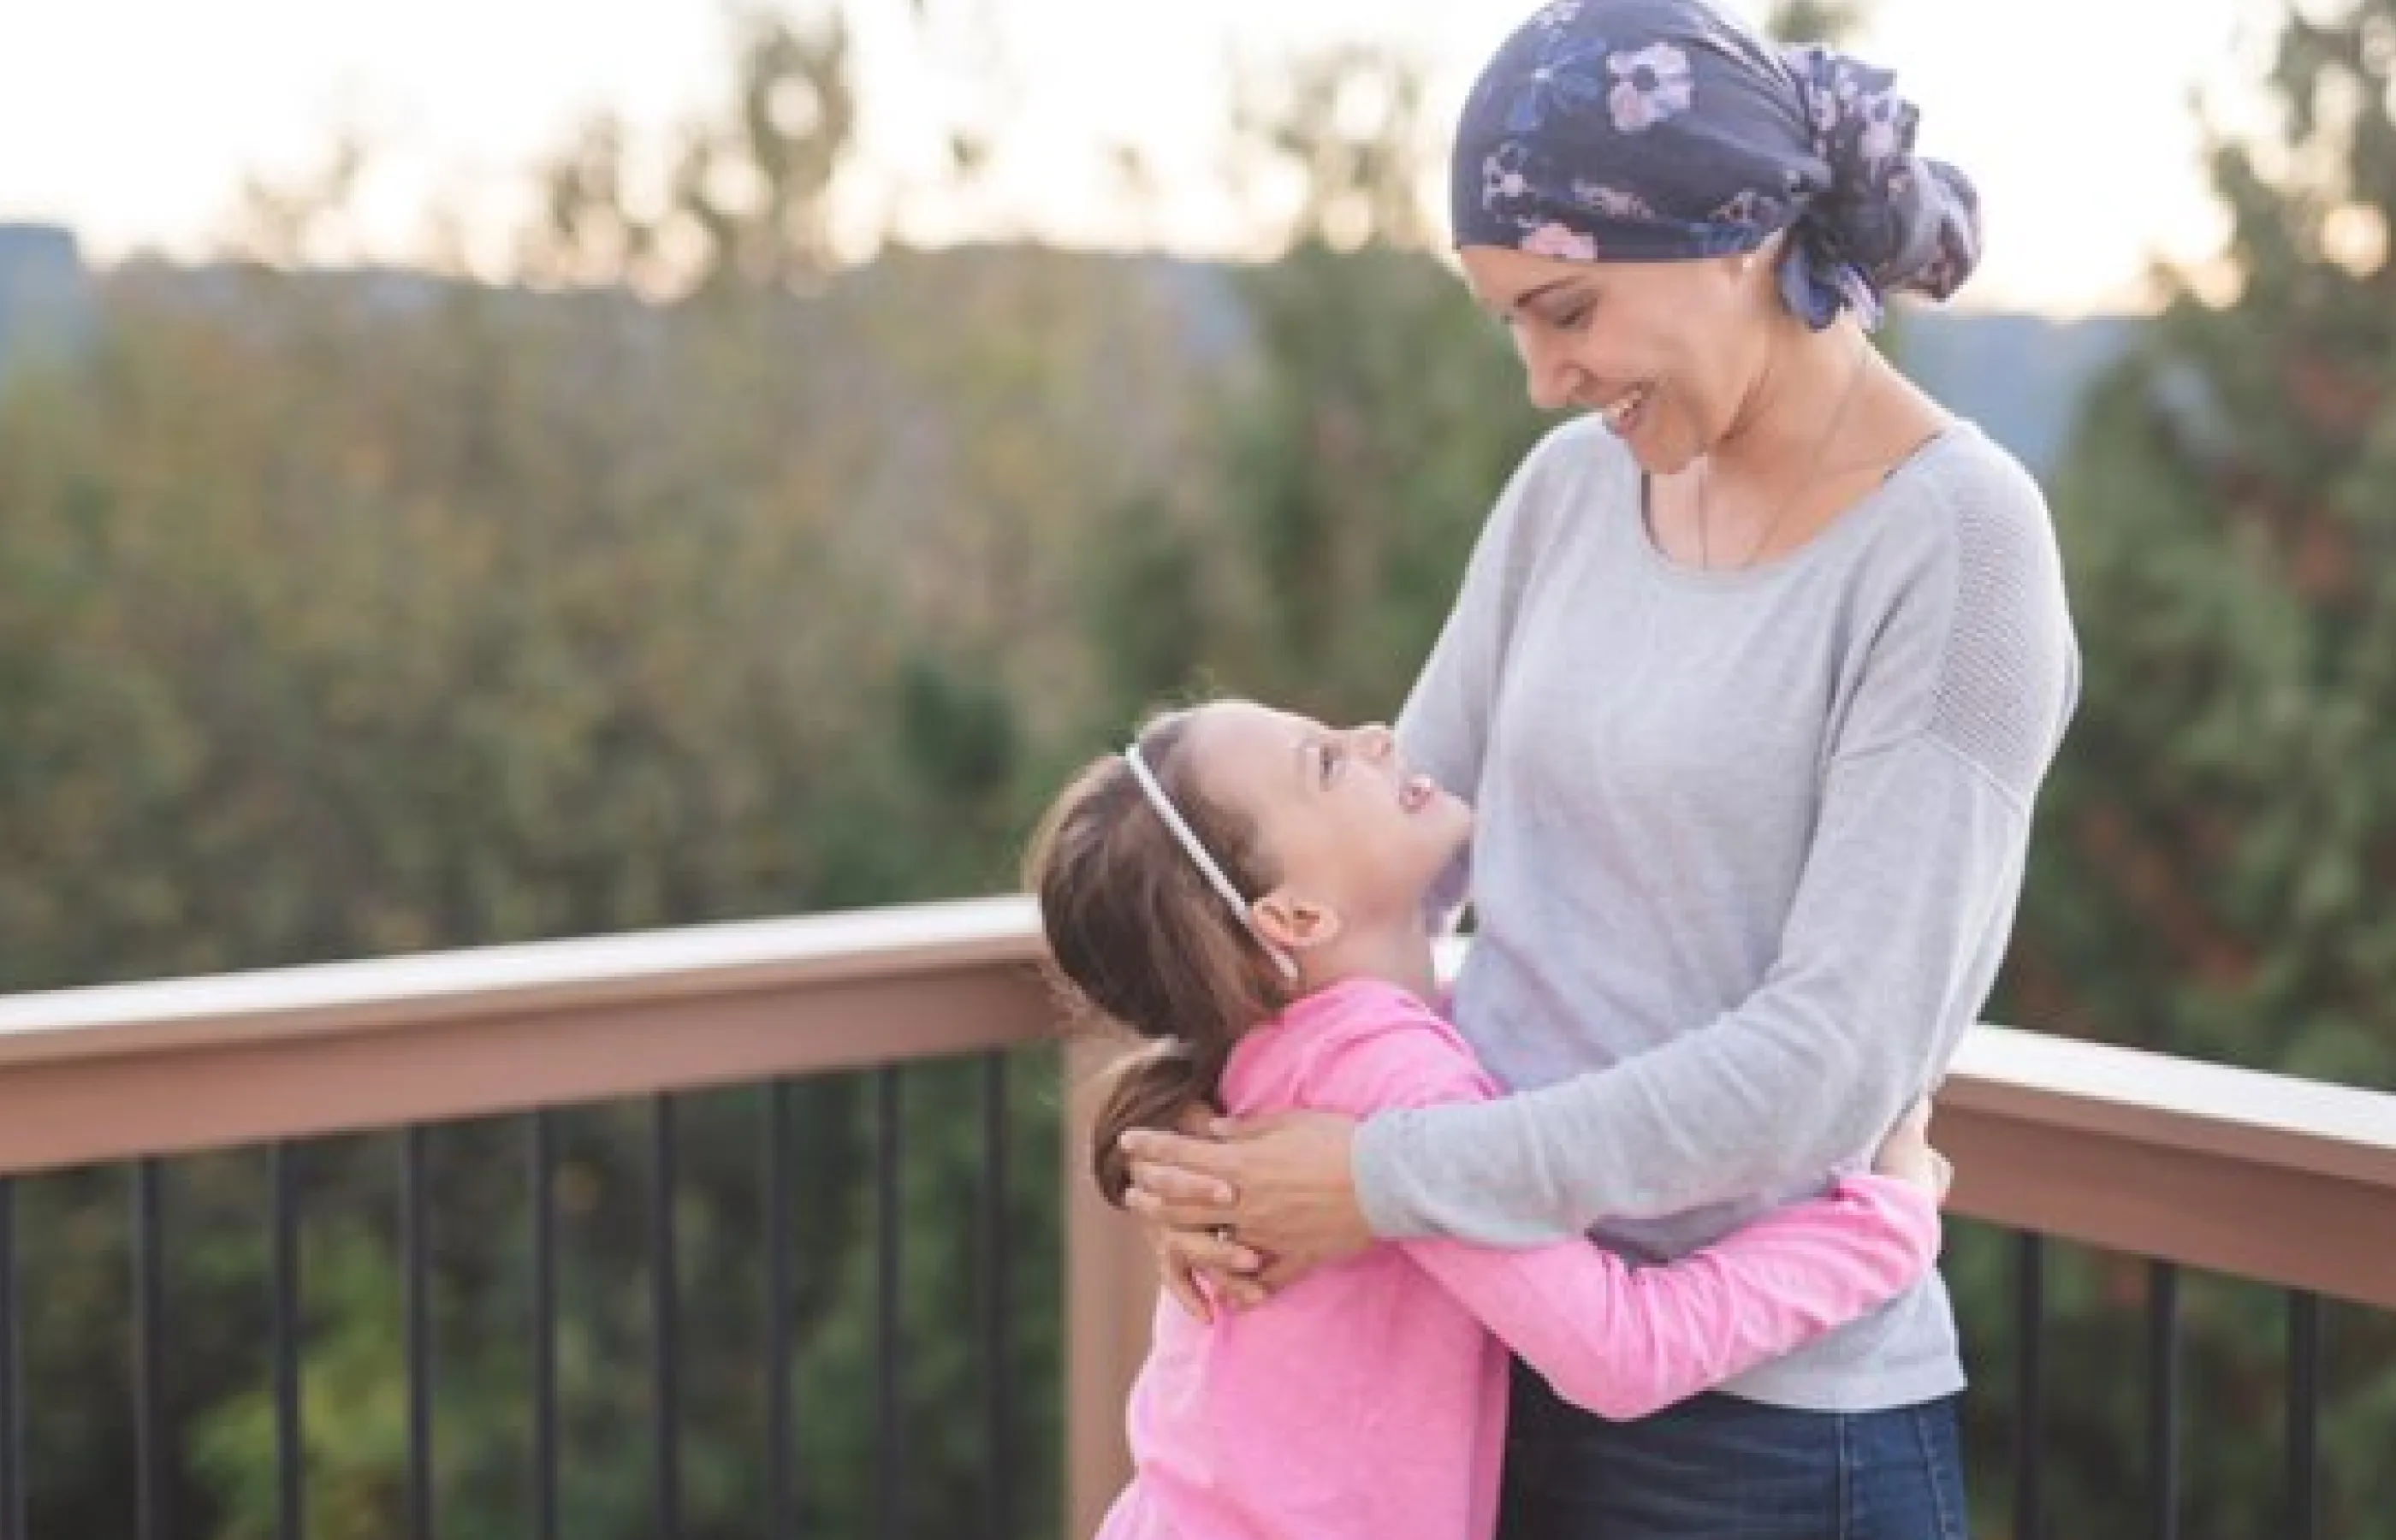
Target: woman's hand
(1282, 1187)
(1908, 1155)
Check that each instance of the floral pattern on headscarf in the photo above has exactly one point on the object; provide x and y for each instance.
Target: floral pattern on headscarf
(1655, 131)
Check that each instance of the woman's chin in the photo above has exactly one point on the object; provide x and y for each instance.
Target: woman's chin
(1659, 441)
(1661, 457)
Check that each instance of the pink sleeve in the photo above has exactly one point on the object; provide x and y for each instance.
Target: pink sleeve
(1624, 1341)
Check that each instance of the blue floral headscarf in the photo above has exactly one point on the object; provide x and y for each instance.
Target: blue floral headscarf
(1655, 131)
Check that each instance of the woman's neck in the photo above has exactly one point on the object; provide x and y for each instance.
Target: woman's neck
(1781, 427)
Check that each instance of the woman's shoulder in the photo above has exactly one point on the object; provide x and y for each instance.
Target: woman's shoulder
(1987, 494)
(1969, 603)
(1963, 521)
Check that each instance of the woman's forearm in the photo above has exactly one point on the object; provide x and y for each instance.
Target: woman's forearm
(1902, 918)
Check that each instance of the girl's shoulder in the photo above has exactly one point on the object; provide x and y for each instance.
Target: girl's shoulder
(1364, 1045)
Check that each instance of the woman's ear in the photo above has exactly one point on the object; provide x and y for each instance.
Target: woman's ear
(1763, 262)
(1293, 922)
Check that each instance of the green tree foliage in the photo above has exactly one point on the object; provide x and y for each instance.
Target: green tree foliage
(1832, 21)
(703, 577)
(2223, 513)
(339, 629)
(1359, 452)
(347, 613)
(2216, 840)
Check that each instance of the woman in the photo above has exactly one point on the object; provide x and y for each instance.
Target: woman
(1754, 676)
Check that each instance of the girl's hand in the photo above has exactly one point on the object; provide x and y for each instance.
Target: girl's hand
(1194, 1264)
(1281, 1186)
(1906, 1153)
(1199, 1265)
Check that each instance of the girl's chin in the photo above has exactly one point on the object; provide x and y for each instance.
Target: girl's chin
(1455, 830)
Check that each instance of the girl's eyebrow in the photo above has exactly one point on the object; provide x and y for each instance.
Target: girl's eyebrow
(1307, 743)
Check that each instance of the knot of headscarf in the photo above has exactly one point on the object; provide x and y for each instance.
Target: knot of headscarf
(1658, 130)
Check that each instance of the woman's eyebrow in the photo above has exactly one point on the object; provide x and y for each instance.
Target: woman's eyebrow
(1538, 291)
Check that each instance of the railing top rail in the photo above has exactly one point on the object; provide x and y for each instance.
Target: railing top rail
(631, 969)
(2182, 1104)
(2266, 1175)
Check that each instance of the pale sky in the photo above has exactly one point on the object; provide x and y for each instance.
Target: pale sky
(135, 121)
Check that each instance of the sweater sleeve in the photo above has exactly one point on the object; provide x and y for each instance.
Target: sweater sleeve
(1625, 1341)
(1443, 727)
(1886, 954)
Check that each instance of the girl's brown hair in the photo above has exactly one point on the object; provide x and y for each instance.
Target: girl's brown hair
(1138, 937)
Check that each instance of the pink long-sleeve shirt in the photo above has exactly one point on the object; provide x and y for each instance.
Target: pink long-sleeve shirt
(1367, 1401)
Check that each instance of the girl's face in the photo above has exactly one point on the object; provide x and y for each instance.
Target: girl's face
(1669, 353)
(1350, 829)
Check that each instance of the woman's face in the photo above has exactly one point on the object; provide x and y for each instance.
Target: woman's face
(1668, 352)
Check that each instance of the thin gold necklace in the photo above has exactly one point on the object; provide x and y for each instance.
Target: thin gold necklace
(1821, 446)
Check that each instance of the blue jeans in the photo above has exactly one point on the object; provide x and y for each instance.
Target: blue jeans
(1716, 1468)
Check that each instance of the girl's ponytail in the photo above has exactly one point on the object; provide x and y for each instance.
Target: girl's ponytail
(1150, 1088)
(1141, 944)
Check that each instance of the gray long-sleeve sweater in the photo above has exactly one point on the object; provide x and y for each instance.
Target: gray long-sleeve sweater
(1750, 845)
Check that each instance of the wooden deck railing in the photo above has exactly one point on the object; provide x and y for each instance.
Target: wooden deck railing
(2228, 1171)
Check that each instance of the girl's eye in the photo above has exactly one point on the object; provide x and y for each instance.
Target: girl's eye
(1330, 761)
(1574, 319)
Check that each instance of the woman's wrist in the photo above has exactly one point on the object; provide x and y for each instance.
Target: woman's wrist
(1372, 1156)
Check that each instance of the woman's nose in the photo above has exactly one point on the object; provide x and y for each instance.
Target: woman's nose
(1549, 373)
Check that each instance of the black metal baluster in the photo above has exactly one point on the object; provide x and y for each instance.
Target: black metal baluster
(2163, 1399)
(287, 1328)
(13, 1498)
(2303, 1415)
(2029, 1385)
(889, 1463)
(149, 1350)
(999, 1386)
(781, 1520)
(540, 1199)
(414, 1241)
(665, 1310)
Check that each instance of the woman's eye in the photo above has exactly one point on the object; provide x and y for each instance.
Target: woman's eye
(1574, 319)
(1330, 758)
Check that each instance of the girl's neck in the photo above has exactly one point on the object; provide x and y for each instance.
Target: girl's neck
(1398, 954)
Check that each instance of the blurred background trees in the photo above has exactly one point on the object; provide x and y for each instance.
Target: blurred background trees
(709, 571)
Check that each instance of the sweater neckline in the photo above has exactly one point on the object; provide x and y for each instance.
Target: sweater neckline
(1843, 528)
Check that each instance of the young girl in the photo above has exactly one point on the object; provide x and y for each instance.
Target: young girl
(1246, 890)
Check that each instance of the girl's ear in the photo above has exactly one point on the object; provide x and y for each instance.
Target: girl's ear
(1292, 923)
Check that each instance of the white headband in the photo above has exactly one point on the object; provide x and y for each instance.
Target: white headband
(1214, 875)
